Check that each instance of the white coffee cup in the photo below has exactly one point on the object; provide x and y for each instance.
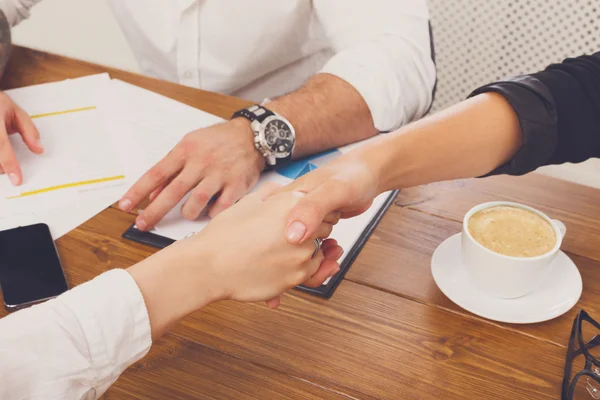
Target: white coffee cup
(506, 276)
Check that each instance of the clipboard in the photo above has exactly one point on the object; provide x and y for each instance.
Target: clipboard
(328, 288)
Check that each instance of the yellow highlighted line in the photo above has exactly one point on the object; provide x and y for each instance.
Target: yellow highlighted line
(63, 112)
(68, 185)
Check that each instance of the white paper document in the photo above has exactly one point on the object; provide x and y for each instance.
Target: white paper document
(151, 124)
(80, 172)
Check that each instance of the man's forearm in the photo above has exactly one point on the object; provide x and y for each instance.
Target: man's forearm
(326, 112)
(5, 42)
(469, 139)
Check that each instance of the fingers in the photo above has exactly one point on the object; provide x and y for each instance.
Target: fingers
(306, 216)
(229, 197)
(333, 217)
(358, 211)
(264, 191)
(297, 185)
(167, 199)
(16, 120)
(327, 245)
(8, 160)
(274, 302)
(151, 180)
(324, 230)
(329, 266)
(200, 197)
(156, 192)
(330, 252)
(30, 134)
(327, 269)
(312, 266)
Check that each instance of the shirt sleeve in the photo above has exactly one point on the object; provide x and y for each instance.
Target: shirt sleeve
(383, 49)
(76, 345)
(558, 111)
(16, 10)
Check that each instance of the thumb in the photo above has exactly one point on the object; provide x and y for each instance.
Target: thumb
(357, 211)
(311, 210)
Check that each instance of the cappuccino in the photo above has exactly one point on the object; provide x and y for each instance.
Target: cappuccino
(512, 231)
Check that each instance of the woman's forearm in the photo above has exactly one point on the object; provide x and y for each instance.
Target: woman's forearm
(466, 140)
(172, 288)
(469, 139)
(511, 127)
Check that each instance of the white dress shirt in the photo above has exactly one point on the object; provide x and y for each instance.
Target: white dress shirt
(77, 345)
(263, 48)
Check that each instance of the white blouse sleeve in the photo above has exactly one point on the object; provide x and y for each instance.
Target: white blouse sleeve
(77, 345)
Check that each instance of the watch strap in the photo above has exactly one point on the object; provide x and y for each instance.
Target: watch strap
(253, 113)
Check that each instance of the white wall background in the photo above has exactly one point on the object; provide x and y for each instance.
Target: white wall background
(83, 29)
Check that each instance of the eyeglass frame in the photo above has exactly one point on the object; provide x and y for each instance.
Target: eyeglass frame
(568, 385)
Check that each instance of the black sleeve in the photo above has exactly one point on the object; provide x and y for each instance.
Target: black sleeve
(559, 114)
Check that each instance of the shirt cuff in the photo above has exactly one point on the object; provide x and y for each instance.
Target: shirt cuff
(535, 108)
(395, 94)
(114, 319)
(16, 10)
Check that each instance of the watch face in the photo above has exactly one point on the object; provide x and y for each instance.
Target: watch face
(279, 137)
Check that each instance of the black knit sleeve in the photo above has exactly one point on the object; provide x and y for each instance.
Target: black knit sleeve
(558, 111)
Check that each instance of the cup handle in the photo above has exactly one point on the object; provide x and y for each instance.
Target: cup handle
(561, 227)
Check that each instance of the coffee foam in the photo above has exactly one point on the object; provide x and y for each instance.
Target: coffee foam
(512, 231)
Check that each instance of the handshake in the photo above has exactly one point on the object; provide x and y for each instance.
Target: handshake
(276, 237)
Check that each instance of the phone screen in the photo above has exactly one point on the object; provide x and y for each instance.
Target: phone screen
(30, 269)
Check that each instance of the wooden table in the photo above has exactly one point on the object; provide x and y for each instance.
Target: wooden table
(387, 332)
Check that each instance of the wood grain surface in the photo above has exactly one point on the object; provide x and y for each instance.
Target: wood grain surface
(387, 332)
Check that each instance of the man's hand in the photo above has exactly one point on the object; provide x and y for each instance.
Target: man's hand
(14, 120)
(218, 160)
(348, 185)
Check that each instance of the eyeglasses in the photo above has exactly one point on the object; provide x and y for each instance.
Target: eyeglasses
(582, 367)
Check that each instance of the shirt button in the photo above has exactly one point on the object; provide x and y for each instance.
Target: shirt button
(187, 74)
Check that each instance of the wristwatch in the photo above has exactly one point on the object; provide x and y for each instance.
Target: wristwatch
(274, 136)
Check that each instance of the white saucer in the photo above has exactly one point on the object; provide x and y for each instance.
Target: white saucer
(557, 295)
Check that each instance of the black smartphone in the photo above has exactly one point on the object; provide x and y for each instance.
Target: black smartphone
(30, 270)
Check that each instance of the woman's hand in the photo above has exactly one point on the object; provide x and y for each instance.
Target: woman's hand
(346, 185)
(252, 262)
(241, 255)
(14, 120)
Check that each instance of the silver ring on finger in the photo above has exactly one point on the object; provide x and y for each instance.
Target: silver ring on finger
(318, 242)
